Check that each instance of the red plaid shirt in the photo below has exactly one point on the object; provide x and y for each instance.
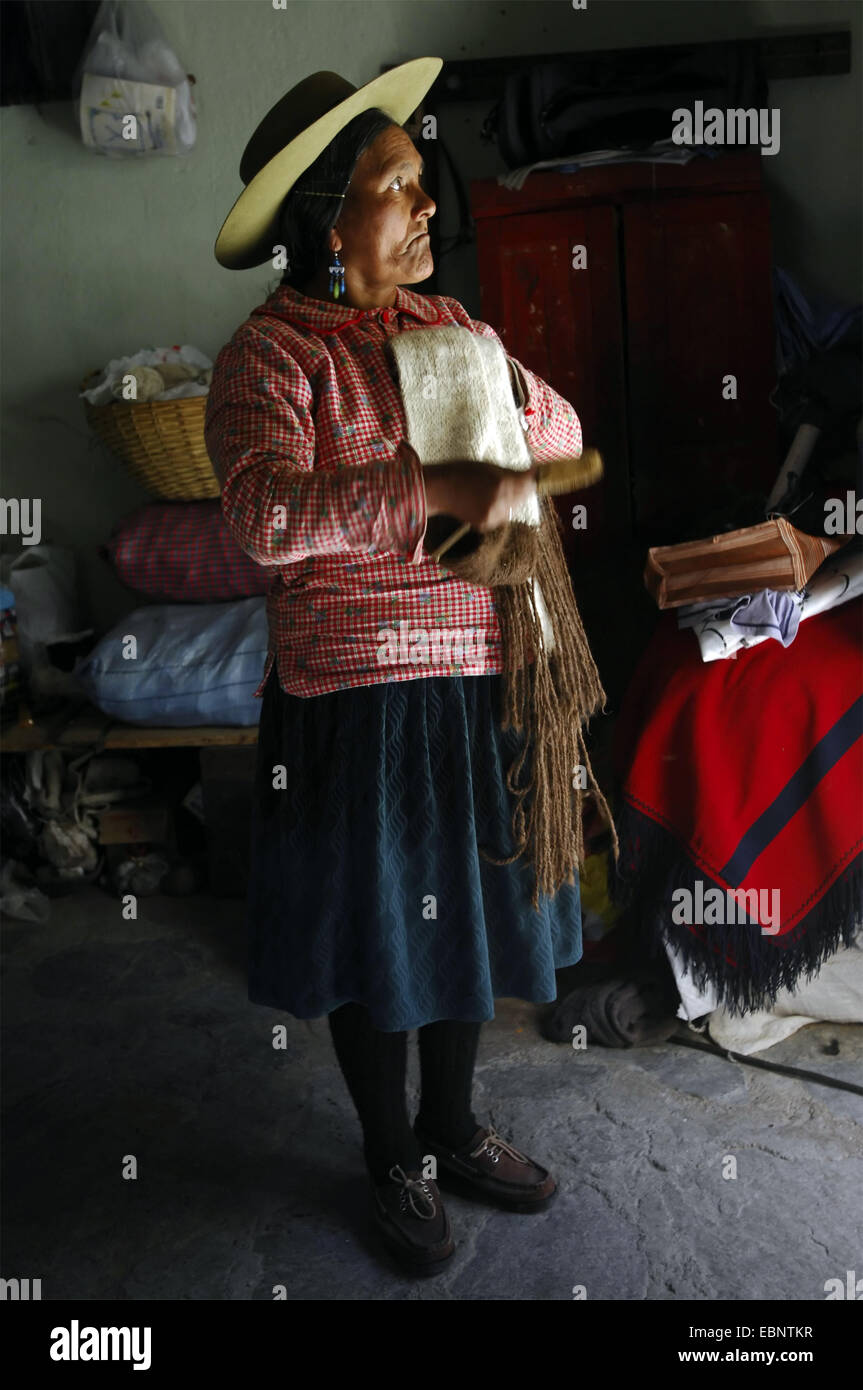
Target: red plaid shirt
(306, 429)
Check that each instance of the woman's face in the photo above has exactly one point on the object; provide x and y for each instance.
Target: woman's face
(381, 235)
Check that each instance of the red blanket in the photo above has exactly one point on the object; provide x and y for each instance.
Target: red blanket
(746, 774)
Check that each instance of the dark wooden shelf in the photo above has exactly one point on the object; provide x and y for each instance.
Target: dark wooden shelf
(88, 728)
(805, 53)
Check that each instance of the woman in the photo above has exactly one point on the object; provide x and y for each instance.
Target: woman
(378, 781)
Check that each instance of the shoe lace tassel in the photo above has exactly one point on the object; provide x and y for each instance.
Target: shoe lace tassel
(494, 1145)
(416, 1193)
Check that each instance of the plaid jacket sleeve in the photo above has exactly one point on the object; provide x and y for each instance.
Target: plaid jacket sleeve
(260, 436)
(554, 429)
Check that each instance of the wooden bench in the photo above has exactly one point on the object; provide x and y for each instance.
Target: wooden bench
(226, 761)
(89, 728)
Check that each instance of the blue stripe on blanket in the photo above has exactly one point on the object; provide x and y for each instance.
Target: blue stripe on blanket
(826, 753)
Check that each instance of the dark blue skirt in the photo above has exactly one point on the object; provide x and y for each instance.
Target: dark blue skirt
(367, 882)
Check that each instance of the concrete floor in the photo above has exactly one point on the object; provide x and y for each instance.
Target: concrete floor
(136, 1038)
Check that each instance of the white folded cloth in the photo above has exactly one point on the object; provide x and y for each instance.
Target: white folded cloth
(459, 404)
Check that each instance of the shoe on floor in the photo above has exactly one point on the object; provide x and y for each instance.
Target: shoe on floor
(491, 1168)
(408, 1213)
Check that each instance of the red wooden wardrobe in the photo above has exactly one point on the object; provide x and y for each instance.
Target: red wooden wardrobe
(676, 295)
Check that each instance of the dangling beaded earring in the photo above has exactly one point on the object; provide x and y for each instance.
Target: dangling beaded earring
(337, 277)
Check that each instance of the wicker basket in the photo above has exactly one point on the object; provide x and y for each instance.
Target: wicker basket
(160, 442)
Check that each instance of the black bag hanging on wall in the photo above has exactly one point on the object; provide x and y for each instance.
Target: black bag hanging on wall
(572, 105)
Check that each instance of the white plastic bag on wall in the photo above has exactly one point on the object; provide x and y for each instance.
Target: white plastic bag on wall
(134, 96)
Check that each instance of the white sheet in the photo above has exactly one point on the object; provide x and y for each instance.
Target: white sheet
(833, 995)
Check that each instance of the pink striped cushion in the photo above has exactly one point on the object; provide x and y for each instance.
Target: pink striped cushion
(183, 552)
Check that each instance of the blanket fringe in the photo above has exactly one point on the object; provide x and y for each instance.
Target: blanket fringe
(746, 968)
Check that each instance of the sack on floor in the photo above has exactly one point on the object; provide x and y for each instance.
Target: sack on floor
(180, 665)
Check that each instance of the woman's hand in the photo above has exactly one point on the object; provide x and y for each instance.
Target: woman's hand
(479, 493)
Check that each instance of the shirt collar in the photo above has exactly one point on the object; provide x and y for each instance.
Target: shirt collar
(322, 316)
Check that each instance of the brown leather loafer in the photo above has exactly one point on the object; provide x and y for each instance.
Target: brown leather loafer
(408, 1213)
(492, 1169)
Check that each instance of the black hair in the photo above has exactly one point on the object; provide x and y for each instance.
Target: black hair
(305, 219)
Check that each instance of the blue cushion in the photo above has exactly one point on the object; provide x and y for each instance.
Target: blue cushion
(193, 664)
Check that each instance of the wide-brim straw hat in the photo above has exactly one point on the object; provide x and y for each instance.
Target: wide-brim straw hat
(292, 135)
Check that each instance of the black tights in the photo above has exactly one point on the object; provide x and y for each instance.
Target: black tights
(374, 1065)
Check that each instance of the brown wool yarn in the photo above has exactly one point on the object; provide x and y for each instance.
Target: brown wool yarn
(551, 698)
